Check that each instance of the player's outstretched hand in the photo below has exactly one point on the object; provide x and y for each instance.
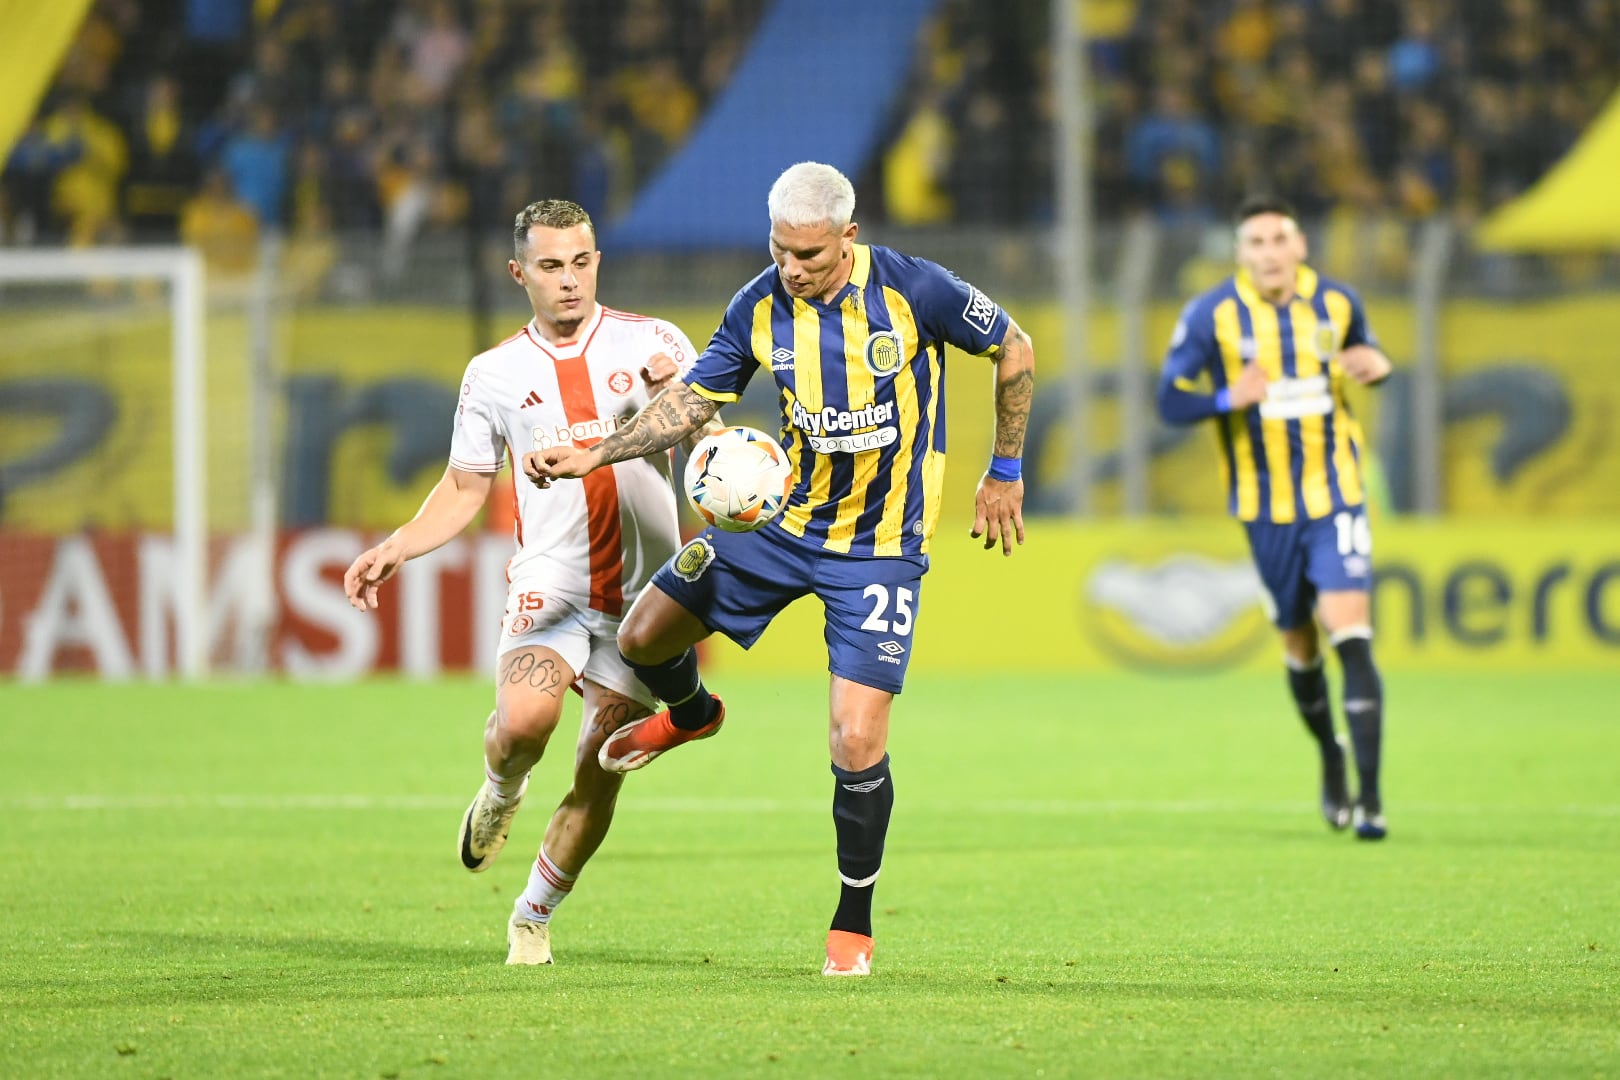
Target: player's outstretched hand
(1250, 388)
(370, 570)
(659, 372)
(558, 463)
(535, 468)
(1364, 364)
(998, 513)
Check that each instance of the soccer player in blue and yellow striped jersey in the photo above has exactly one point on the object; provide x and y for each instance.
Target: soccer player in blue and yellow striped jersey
(1264, 356)
(854, 337)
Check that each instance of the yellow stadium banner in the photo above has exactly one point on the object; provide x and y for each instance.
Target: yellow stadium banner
(37, 34)
(1183, 597)
(1573, 207)
(1530, 389)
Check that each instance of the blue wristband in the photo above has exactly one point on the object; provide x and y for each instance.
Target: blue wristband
(1223, 400)
(1006, 469)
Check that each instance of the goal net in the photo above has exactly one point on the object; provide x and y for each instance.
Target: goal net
(124, 437)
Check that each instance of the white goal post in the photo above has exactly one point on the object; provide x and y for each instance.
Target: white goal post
(182, 270)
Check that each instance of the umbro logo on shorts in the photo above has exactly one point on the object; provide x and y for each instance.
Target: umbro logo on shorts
(864, 786)
(893, 648)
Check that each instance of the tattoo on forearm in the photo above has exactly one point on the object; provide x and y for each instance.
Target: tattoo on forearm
(667, 419)
(525, 667)
(1014, 394)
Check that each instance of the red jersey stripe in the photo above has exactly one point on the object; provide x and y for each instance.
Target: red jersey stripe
(606, 541)
(517, 511)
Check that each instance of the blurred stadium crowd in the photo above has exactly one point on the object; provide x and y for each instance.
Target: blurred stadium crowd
(309, 116)
(345, 114)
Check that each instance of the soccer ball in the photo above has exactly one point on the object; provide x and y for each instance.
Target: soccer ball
(738, 478)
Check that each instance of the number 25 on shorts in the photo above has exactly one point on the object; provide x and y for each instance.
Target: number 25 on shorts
(879, 620)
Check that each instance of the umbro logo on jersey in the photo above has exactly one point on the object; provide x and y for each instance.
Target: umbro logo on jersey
(532, 399)
(782, 360)
(864, 786)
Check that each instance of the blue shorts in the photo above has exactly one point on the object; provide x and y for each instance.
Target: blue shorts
(736, 583)
(1301, 559)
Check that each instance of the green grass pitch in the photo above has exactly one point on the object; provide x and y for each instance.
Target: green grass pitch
(1086, 876)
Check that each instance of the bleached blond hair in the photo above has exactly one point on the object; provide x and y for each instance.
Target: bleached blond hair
(811, 193)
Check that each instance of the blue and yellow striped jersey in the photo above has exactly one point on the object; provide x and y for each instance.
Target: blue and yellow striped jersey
(1297, 454)
(861, 381)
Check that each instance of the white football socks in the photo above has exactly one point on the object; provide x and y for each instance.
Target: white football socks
(548, 887)
(504, 788)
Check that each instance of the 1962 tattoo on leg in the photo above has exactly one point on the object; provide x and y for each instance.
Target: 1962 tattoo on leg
(539, 673)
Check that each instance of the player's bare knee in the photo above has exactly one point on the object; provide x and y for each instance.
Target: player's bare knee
(632, 645)
(1301, 646)
(639, 642)
(526, 722)
(856, 746)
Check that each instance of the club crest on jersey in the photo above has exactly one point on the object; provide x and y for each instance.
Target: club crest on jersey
(883, 353)
(621, 382)
(693, 559)
(1327, 339)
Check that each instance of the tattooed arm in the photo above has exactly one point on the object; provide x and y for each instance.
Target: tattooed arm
(999, 504)
(668, 418)
(659, 373)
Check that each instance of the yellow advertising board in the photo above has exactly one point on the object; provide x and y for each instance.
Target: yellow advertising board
(1183, 597)
(367, 393)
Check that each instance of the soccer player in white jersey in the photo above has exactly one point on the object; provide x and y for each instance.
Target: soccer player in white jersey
(584, 551)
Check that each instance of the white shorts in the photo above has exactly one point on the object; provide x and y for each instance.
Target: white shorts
(588, 641)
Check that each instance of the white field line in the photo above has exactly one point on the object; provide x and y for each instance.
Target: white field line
(697, 805)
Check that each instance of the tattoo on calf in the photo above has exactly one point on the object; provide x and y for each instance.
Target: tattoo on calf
(613, 715)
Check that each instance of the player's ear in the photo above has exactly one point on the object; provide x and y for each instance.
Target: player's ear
(515, 268)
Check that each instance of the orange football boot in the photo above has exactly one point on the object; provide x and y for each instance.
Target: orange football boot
(847, 954)
(637, 743)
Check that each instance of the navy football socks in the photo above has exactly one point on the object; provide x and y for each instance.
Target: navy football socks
(862, 802)
(678, 684)
(1310, 689)
(1363, 713)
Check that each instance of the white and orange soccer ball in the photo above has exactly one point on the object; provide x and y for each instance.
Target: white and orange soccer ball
(738, 479)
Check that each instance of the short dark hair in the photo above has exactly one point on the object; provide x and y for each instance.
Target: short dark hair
(1255, 205)
(553, 214)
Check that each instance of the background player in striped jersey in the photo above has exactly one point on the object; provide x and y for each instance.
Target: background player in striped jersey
(854, 336)
(569, 377)
(1274, 343)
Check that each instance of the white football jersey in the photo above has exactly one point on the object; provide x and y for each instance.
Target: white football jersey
(596, 541)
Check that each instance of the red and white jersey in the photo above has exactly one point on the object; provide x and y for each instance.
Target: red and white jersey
(596, 541)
